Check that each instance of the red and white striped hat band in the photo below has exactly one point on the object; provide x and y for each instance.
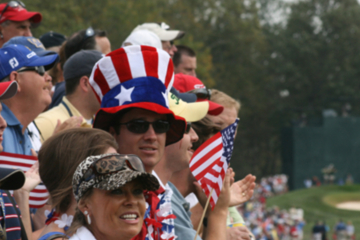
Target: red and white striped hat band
(135, 77)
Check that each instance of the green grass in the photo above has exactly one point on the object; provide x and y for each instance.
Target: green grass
(319, 204)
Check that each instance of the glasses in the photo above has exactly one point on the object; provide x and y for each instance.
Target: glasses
(40, 70)
(12, 4)
(141, 126)
(201, 93)
(111, 164)
(188, 127)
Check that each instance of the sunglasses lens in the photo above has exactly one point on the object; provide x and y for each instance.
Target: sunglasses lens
(41, 70)
(138, 126)
(161, 126)
(188, 127)
(136, 163)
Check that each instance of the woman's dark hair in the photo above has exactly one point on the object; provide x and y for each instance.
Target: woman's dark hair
(60, 155)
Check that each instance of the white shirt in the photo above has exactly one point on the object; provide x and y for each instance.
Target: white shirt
(83, 234)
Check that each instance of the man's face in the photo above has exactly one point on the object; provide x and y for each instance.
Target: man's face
(169, 48)
(35, 88)
(103, 44)
(224, 119)
(187, 65)
(2, 128)
(149, 146)
(179, 154)
(15, 29)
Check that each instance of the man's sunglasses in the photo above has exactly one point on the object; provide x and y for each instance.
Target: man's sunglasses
(201, 93)
(111, 164)
(40, 70)
(141, 126)
(188, 127)
(12, 4)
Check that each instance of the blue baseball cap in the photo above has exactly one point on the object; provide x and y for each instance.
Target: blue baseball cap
(15, 56)
(32, 44)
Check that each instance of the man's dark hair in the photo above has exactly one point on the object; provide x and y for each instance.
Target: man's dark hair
(71, 84)
(182, 50)
(78, 41)
(100, 33)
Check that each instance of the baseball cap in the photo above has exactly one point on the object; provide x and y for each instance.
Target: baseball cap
(7, 90)
(52, 39)
(185, 83)
(192, 112)
(109, 172)
(81, 63)
(11, 179)
(33, 44)
(15, 56)
(16, 11)
(135, 77)
(162, 30)
(143, 37)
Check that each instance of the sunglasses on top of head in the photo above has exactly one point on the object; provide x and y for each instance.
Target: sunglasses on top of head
(112, 164)
(141, 126)
(201, 93)
(12, 4)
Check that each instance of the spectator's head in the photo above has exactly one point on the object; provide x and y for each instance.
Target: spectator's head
(60, 155)
(77, 71)
(15, 20)
(81, 40)
(186, 83)
(166, 35)
(20, 64)
(7, 90)
(102, 41)
(132, 84)
(185, 61)
(143, 37)
(231, 108)
(52, 40)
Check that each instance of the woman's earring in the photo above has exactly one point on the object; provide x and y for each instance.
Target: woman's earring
(88, 217)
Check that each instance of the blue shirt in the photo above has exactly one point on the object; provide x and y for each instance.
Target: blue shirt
(183, 226)
(14, 140)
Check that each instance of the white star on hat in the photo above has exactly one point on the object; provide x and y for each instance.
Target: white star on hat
(124, 95)
(166, 98)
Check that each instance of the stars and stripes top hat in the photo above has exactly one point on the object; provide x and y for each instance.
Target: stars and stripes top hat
(135, 77)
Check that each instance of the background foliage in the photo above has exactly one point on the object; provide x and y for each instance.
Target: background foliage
(242, 50)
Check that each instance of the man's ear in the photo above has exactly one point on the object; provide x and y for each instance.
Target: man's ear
(14, 76)
(84, 83)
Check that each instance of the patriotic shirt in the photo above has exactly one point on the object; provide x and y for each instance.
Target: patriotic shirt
(12, 222)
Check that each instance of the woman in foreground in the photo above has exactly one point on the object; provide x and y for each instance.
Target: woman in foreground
(109, 191)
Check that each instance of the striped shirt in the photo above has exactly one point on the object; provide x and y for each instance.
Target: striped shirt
(12, 221)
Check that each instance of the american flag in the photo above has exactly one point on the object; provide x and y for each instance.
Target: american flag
(39, 196)
(211, 160)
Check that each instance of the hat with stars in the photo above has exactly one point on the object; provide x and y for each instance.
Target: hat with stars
(135, 77)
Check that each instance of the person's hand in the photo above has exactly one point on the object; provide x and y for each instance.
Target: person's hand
(73, 122)
(242, 191)
(32, 178)
(224, 197)
(238, 233)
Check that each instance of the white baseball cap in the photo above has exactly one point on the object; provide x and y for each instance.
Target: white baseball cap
(162, 30)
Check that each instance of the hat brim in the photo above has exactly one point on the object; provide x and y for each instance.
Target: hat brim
(170, 35)
(8, 89)
(106, 116)
(193, 112)
(34, 17)
(47, 61)
(11, 179)
(214, 108)
(119, 179)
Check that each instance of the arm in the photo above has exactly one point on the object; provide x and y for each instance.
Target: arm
(22, 196)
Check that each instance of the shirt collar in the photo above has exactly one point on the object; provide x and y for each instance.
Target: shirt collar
(8, 115)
